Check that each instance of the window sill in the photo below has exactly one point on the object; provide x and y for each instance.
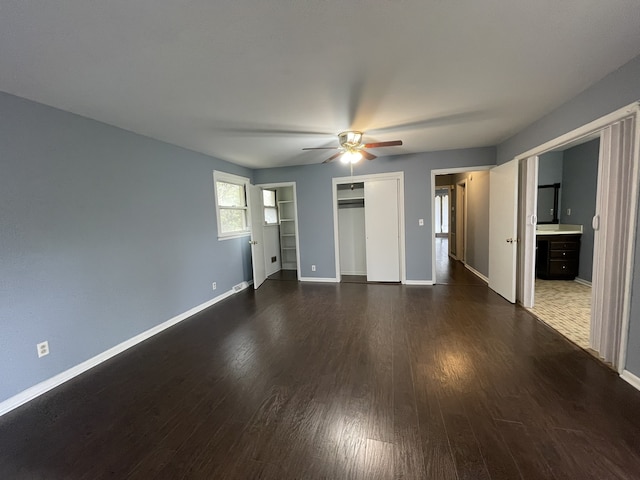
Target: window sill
(233, 235)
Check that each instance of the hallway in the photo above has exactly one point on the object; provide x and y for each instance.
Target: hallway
(450, 271)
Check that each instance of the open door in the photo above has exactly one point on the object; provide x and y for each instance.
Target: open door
(503, 229)
(257, 236)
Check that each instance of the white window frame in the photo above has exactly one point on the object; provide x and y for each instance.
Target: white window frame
(225, 177)
(269, 207)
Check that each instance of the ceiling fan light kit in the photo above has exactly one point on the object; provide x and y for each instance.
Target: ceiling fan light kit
(351, 156)
(352, 147)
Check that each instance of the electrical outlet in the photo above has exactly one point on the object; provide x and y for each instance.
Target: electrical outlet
(313, 268)
(214, 285)
(274, 259)
(43, 349)
(421, 222)
(568, 211)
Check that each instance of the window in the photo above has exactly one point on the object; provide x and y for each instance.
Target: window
(270, 209)
(231, 204)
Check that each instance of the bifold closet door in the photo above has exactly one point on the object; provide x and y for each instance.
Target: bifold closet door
(382, 230)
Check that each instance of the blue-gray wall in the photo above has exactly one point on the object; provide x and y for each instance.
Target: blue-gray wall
(550, 168)
(579, 188)
(103, 234)
(315, 210)
(614, 91)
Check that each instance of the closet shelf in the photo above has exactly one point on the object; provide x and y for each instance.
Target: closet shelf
(351, 201)
(287, 220)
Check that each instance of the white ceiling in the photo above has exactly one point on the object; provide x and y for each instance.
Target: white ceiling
(254, 82)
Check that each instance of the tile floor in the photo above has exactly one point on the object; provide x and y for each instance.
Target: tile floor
(566, 307)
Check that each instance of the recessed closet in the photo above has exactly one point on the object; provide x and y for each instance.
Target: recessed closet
(368, 225)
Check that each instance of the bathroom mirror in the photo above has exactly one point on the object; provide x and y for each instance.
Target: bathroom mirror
(548, 203)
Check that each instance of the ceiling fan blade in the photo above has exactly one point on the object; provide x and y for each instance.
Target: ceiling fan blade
(392, 143)
(367, 155)
(332, 157)
(321, 148)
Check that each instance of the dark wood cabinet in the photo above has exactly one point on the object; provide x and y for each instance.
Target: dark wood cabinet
(557, 256)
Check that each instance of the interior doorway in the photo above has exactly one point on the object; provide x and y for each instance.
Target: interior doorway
(566, 204)
(614, 226)
(451, 225)
(279, 225)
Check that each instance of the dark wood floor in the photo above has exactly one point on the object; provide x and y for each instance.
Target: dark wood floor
(328, 381)
(450, 271)
(284, 275)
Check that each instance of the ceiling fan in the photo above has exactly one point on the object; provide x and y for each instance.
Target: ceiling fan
(352, 149)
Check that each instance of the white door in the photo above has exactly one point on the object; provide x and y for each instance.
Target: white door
(382, 230)
(527, 231)
(503, 229)
(257, 236)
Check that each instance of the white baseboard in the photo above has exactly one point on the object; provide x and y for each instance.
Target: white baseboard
(582, 282)
(418, 282)
(476, 273)
(631, 379)
(318, 279)
(362, 274)
(51, 383)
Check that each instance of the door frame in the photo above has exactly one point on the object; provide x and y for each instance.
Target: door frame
(590, 129)
(295, 212)
(399, 176)
(461, 208)
(448, 212)
(447, 171)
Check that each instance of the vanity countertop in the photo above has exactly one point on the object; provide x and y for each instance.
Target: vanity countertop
(559, 229)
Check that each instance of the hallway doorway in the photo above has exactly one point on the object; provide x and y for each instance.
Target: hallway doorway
(450, 271)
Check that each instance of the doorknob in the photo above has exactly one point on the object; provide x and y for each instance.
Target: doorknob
(510, 240)
(253, 242)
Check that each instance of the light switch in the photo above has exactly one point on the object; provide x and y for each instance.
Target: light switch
(421, 222)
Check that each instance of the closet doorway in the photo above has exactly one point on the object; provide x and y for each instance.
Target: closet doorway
(369, 228)
(281, 250)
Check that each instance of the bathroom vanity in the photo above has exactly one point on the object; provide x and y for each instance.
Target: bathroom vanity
(558, 251)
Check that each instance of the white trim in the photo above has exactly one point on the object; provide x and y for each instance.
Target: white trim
(51, 383)
(631, 379)
(582, 282)
(631, 242)
(583, 131)
(477, 273)
(446, 171)
(319, 279)
(399, 176)
(219, 176)
(419, 282)
(234, 236)
(295, 212)
(359, 274)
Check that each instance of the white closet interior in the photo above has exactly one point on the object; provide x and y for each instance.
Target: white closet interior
(351, 227)
(287, 214)
(368, 224)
